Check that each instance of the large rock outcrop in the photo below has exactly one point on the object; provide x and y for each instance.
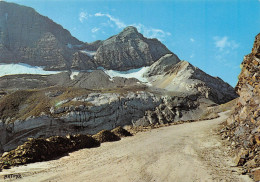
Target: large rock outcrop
(243, 126)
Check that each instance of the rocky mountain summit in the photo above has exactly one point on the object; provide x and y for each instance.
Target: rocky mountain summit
(28, 37)
(243, 127)
(129, 49)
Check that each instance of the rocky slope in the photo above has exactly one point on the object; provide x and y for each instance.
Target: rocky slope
(243, 127)
(177, 76)
(42, 149)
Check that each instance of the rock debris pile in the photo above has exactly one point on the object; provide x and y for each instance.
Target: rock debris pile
(40, 149)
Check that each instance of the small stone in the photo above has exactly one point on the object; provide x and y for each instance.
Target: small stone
(256, 175)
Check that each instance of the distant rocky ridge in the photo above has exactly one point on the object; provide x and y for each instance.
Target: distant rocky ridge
(173, 75)
(243, 126)
(96, 79)
(28, 37)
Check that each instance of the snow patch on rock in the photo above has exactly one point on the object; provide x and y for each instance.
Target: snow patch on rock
(133, 73)
(89, 53)
(12, 69)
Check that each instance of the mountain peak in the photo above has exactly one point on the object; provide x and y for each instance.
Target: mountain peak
(130, 29)
(130, 32)
(129, 50)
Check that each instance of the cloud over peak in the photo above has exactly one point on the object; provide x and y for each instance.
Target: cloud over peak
(150, 32)
(118, 23)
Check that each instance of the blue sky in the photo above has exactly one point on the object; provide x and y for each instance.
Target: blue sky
(213, 35)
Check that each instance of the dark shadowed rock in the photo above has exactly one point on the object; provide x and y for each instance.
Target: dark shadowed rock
(28, 37)
(106, 136)
(121, 132)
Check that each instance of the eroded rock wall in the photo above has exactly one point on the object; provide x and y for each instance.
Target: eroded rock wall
(243, 126)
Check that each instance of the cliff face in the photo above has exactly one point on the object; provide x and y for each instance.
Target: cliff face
(243, 127)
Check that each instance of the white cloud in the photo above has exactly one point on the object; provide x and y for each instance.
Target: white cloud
(192, 40)
(192, 55)
(226, 48)
(95, 29)
(151, 32)
(118, 23)
(224, 43)
(83, 16)
(146, 31)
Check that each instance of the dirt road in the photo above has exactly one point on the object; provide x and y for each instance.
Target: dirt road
(180, 153)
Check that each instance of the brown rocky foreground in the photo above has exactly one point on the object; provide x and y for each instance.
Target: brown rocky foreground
(242, 128)
(42, 149)
(187, 152)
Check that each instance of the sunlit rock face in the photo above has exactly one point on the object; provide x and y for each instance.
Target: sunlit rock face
(243, 127)
(173, 75)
